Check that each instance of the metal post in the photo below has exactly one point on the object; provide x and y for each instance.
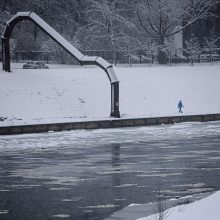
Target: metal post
(3, 54)
(7, 55)
(115, 100)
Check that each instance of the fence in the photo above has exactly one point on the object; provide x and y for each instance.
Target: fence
(118, 57)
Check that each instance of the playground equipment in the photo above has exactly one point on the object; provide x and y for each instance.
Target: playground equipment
(82, 59)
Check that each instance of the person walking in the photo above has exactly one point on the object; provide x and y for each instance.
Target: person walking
(180, 106)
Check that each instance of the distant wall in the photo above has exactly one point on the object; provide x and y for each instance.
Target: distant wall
(111, 123)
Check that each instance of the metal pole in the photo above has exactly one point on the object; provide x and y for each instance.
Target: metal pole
(115, 100)
(3, 54)
(7, 55)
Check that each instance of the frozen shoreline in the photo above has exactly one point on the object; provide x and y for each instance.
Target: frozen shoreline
(206, 208)
(137, 211)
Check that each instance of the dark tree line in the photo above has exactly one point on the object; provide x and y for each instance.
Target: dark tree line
(116, 25)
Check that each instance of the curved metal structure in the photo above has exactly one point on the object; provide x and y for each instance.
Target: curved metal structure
(82, 59)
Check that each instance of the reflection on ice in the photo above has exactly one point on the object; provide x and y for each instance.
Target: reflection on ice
(125, 185)
(76, 199)
(159, 175)
(3, 212)
(61, 216)
(58, 188)
(4, 190)
(106, 206)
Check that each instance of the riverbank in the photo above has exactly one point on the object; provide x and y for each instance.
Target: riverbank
(114, 123)
(137, 211)
(206, 208)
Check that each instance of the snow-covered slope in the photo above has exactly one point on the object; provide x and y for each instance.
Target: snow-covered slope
(73, 93)
(205, 209)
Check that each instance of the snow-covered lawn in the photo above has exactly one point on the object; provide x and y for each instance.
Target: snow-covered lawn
(75, 93)
(204, 209)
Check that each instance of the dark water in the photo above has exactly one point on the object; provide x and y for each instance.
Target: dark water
(67, 178)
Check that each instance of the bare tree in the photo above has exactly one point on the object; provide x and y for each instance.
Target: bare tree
(105, 27)
(161, 19)
(108, 24)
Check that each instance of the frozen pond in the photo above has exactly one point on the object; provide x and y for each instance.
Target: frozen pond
(91, 174)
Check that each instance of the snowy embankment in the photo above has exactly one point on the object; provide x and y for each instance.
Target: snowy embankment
(62, 94)
(204, 209)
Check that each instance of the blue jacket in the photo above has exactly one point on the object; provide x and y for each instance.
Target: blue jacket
(180, 104)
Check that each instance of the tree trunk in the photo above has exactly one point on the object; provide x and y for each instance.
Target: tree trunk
(114, 56)
(162, 57)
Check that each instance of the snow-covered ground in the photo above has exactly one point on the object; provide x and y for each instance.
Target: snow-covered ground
(71, 93)
(204, 209)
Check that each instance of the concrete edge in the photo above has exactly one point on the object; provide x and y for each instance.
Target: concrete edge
(103, 124)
